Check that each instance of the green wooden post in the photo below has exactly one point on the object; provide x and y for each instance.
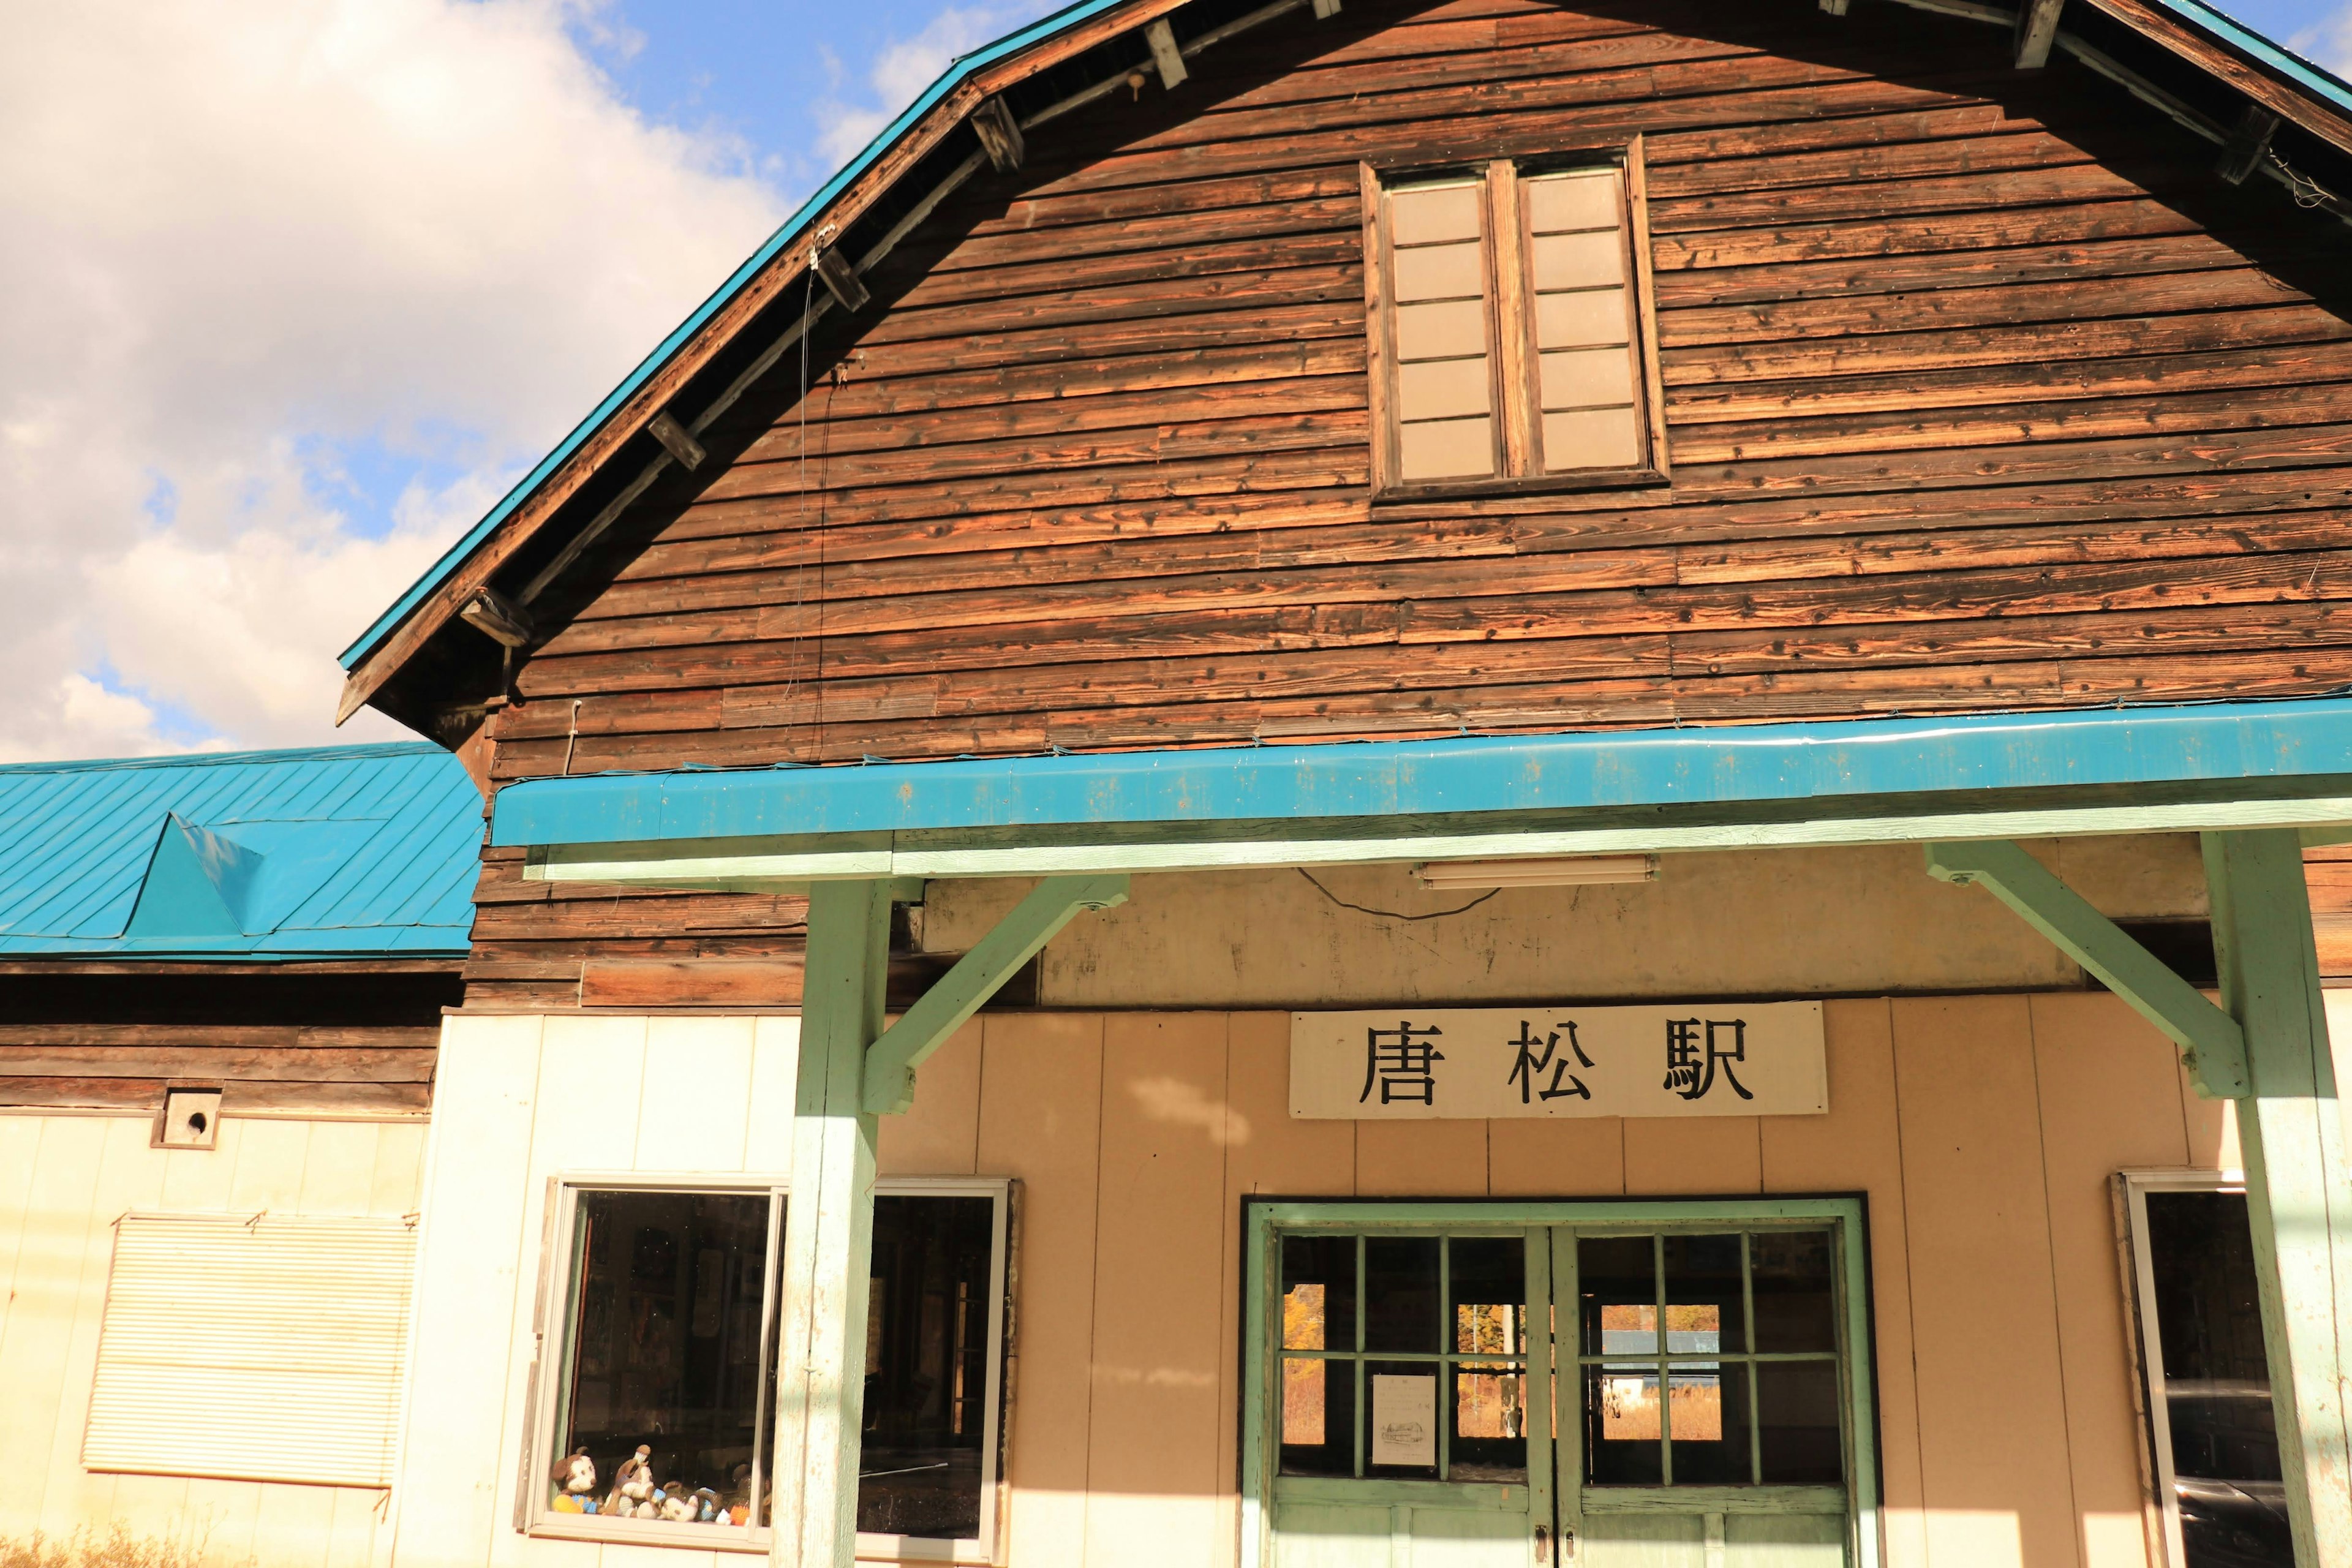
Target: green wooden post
(2298, 1190)
(829, 1232)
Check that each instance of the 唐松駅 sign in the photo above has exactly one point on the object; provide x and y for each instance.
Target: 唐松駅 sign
(1714, 1059)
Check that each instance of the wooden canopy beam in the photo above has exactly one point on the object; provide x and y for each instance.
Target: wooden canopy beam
(2212, 1042)
(2037, 32)
(891, 1061)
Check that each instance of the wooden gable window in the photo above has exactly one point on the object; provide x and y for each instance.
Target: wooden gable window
(1512, 339)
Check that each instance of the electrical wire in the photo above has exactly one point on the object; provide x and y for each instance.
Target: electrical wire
(1393, 914)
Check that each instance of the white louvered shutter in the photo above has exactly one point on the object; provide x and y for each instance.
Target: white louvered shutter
(254, 1350)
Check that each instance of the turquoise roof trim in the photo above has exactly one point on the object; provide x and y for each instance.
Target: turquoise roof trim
(244, 857)
(2263, 51)
(958, 71)
(1732, 766)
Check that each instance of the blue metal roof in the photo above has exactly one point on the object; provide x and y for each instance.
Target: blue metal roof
(254, 856)
(1729, 765)
(2269, 55)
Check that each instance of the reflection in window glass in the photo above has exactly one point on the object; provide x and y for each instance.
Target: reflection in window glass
(926, 1367)
(2216, 1381)
(1794, 1306)
(663, 1403)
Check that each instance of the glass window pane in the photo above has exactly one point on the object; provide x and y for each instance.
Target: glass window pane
(1704, 1310)
(1795, 1307)
(1617, 1292)
(1318, 1404)
(1401, 1419)
(664, 1396)
(927, 1351)
(1319, 1292)
(1489, 1281)
(1706, 1424)
(1622, 1431)
(1401, 1311)
(2216, 1380)
(1489, 1440)
(1797, 1420)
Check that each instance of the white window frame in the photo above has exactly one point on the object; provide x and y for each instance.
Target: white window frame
(550, 1367)
(2132, 1188)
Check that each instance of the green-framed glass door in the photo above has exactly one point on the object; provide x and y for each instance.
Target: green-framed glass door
(1617, 1385)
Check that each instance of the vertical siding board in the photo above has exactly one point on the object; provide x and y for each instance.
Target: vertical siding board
(1039, 1122)
(775, 1078)
(399, 1169)
(60, 1204)
(2109, 1102)
(940, 1135)
(1696, 1154)
(1992, 1414)
(1421, 1159)
(1857, 1147)
(339, 1169)
(1151, 1469)
(472, 1257)
(698, 1077)
(1570, 1158)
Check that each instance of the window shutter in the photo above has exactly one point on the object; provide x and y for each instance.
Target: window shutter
(1586, 332)
(1440, 278)
(254, 1350)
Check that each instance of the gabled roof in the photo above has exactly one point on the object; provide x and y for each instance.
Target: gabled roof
(1104, 39)
(251, 856)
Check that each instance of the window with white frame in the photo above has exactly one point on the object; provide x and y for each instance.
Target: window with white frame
(656, 1420)
(2211, 1434)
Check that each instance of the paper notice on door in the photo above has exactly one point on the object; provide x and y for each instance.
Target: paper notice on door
(1404, 1421)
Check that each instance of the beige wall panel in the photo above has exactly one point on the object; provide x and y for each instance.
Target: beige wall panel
(1712, 924)
(941, 1136)
(294, 1525)
(1696, 1155)
(1564, 1159)
(775, 1070)
(199, 1180)
(2138, 876)
(1162, 1234)
(694, 1112)
(128, 1176)
(1857, 1147)
(1992, 1413)
(469, 1258)
(1269, 1151)
(338, 1167)
(614, 1554)
(1040, 1109)
(270, 1156)
(1421, 1159)
(399, 1168)
(38, 1333)
(2110, 1101)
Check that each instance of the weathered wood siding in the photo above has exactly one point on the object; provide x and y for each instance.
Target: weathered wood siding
(1982, 391)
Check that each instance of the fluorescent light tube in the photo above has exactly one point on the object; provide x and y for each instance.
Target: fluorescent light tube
(1558, 871)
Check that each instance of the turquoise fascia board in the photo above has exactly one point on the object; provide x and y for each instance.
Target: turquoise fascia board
(792, 227)
(2271, 57)
(1721, 766)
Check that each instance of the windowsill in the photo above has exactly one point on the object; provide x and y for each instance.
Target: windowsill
(1539, 484)
(745, 1539)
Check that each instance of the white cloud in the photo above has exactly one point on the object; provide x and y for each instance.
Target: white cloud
(2328, 41)
(902, 70)
(256, 247)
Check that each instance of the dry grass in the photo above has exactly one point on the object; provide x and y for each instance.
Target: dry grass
(117, 1548)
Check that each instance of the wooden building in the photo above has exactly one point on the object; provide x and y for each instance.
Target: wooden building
(221, 986)
(1577, 739)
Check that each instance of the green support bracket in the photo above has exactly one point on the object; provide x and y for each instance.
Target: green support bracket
(891, 1061)
(2210, 1041)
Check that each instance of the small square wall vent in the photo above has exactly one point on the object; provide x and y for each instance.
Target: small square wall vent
(191, 1119)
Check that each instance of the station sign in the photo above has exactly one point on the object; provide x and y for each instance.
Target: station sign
(1709, 1058)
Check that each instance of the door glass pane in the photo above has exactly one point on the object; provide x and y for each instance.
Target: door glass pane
(2216, 1380)
(1400, 1311)
(1795, 1307)
(927, 1367)
(1318, 1406)
(1489, 1440)
(1319, 1292)
(1622, 1431)
(664, 1397)
(1617, 1288)
(1707, 1418)
(1401, 1420)
(1489, 1282)
(1704, 1310)
(1796, 1414)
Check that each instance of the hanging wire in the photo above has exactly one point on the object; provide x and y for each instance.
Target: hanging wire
(1393, 914)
